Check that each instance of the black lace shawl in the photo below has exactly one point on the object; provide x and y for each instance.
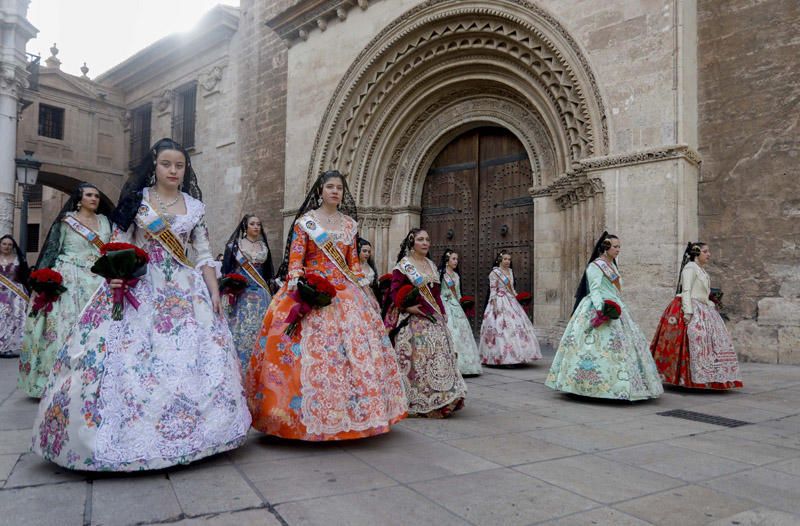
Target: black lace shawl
(313, 201)
(583, 286)
(52, 243)
(130, 198)
(22, 273)
(229, 263)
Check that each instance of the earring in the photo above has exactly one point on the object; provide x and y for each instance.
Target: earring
(79, 207)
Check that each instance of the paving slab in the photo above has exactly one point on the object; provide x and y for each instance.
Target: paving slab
(774, 489)
(395, 506)
(213, 489)
(586, 438)
(7, 463)
(685, 505)
(676, 462)
(513, 449)
(599, 479)
(598, 517)
(759, 517)
(15, 441)
(734, 448)
(502, 496)
(304, 478)
(58, 505)
(260, 517)
(121, 500)
(33, 470)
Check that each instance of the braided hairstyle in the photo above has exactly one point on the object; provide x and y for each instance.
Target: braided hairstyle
(600, 248)
(408, 243)
(693, 249)
(444, 260)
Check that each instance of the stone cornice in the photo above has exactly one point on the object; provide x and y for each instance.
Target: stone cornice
(651, 155)
(217, 26)
(299, 20)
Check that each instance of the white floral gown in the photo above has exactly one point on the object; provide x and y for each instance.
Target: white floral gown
(469, 359)
(507, 335)
(159, 388)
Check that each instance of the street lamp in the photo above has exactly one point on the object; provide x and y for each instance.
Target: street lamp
(27, 173)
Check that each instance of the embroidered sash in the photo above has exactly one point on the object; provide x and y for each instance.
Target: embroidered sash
(250, 270)
(84, 231)
(158, 228)
(13, 287)
(408, 268)
(505, 280)
(609, 272)
(321, 238)
(451, 284)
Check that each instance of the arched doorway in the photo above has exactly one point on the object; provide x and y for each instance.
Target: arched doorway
(476, 200)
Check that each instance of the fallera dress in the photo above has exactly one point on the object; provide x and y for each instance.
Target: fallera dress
(13, 309)
(245, 316)
(425, 349)
(700, 355)
(336, 376)
(507, 335)
(469, 361)
(611, 361)
(46, 333)
(158, 388)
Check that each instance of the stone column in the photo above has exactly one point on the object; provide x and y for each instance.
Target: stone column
(15, 31)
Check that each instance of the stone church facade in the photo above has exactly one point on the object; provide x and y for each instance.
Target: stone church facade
(525, 124)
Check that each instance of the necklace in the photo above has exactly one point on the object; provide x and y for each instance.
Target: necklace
(329, 220)
(161, 204)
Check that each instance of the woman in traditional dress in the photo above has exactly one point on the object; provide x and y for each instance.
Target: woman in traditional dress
(71, 248)
(163, 385)
(368, 265)
(692, 347)
(469, 360)
(425, 349)
(247, 253)
(335, 376)
(611, 360)
(13, 296)
(507, 335)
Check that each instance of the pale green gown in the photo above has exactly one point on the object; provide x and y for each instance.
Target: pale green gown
(469, 360)
(611, 361)
(46, 333)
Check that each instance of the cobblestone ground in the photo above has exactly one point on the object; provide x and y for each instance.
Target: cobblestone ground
(518, 454)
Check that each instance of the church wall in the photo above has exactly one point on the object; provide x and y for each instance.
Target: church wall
(749, 97)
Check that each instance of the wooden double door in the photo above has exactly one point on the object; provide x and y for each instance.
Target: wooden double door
(475, 200)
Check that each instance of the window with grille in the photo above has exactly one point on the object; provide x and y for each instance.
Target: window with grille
(183, 116)
(33, 237)
(35, 196)
(140, 134)
(51, 122)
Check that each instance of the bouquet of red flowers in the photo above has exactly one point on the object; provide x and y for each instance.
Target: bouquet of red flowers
(409, 296)
(233, 285)
(46, 282)
(525, 299)
(468, 304)
(610, 311)
(312, 291)
(126, 262)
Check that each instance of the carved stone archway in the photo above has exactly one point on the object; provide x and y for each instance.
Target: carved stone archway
(440, 69)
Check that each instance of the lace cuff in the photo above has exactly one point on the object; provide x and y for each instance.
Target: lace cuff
(208, 262)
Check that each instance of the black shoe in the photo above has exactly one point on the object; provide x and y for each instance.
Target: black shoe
(9, 354)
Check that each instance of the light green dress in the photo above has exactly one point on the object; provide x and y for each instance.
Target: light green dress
(469, 360)
(611, 361)
(46, 332)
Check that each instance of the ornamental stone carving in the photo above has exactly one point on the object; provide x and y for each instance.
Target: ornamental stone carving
(211, 79)
(513, 52)
(164, 101)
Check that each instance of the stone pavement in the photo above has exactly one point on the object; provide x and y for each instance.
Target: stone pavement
(518, 454)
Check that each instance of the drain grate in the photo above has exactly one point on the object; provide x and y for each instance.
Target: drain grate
(702, 417)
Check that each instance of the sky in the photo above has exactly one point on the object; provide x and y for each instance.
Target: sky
(103, 33)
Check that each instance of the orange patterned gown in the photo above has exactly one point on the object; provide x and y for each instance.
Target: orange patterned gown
(336, 377)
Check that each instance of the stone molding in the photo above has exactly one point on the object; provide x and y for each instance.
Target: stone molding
(661, 153)
(526, 49)
(296, 22)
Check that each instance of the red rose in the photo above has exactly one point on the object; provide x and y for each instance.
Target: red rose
(141, 255)
(321, 284)
(46, 275)
(402, 296)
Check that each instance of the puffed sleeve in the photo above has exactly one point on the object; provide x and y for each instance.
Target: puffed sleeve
(688, 275)
(202, 246)
(297, 253)
(594, 276)
(123, 236)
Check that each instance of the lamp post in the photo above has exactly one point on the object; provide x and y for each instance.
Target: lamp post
(27, 173)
